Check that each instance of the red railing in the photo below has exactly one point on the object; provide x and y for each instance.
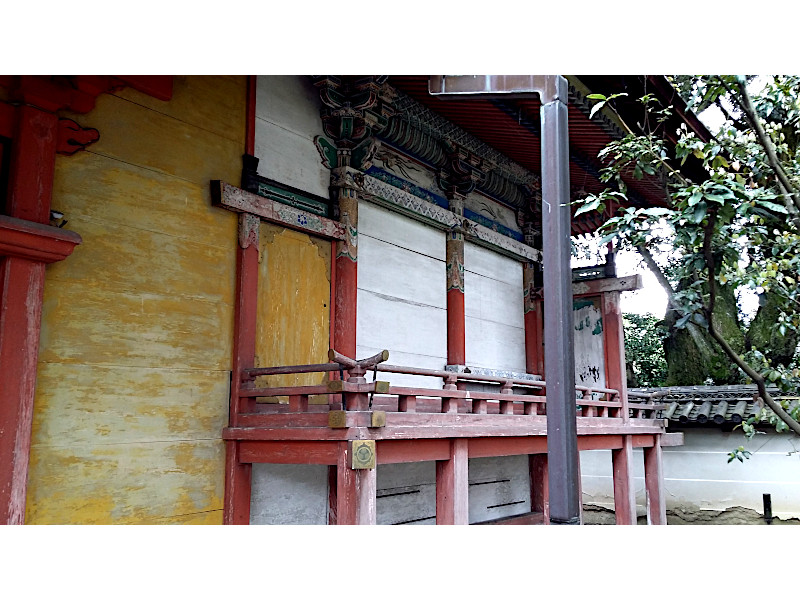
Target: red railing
(351, 391)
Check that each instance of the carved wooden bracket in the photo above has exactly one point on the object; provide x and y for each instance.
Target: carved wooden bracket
(72, 137)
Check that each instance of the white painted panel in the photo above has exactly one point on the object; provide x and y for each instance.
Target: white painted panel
(409, 276)
(498, 487)
(407, 493)
(402, 302)
(495, 301)
(383, 224)
(494, 324)
(289, 495)
(494, 345)
(291, 102)
(483, 261)
(287, 119)
(590, 363)
(290, 159)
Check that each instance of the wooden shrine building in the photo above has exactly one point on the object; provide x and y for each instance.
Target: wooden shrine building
(328, 299)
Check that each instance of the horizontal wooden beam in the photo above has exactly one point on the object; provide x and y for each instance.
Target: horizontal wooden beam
(403, 451)
(238, 200)
(294, 453)
(35, 241)
(592, 287)
(509, 446)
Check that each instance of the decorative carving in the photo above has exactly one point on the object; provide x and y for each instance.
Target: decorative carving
(72, 137)
(348, 248)
(248, 229)
(454, 266)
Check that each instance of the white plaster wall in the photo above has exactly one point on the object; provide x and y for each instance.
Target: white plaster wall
(498, 487)
(494, 324)
(402, 304)
(590, 361)
(287, 119)
(698, 475)
(289, 495)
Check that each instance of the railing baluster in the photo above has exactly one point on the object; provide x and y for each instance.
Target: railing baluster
(407, 404)
(298, 403)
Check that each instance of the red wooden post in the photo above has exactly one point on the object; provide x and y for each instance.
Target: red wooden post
(454, 253)
(624, 490)
(21, 291)
(238, 475)
(346, 284)
(614, 343)
(654, 483)
(356, 491)
(452, 486)
(540, 501)
(534, 328)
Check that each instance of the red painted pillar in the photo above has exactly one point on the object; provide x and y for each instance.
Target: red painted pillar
(534, 327)
(624, 490)
(346, 284)
(452, 485)
(540, 500)
(654, 483)
(614, 343)
(356, 492)
(454, 254)
(21, 290)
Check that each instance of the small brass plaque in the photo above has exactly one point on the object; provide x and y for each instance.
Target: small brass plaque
(377, 418)
(337, 419)
(362, 454)
(381, 387)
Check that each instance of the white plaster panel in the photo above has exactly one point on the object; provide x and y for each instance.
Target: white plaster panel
(289, 495)
(291, 102)
(401, 326)
(590, 363)
(407, 493)
(498, 487)
(491, 300)
(491, 264)
(494, 345)
(382, 224)
(290, 159)
(399, 273)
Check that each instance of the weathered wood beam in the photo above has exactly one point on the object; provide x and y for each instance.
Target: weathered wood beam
(624, 490)
(452, 486)
(593, 287)
(654, 483)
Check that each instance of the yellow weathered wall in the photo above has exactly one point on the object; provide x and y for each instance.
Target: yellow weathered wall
(293, 303)
(133, 377)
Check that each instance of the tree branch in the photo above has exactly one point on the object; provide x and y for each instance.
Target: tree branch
(745, 102)
(708, 309)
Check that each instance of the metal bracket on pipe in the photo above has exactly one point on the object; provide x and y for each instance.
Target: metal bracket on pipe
(548, 88)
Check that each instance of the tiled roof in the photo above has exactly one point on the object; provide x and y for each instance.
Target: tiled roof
(713, 405)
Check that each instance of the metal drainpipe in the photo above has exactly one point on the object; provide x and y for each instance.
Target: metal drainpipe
(562, 440)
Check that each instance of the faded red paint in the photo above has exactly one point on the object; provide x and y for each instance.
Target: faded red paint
(456, 336)
(534, 332)
(345, 299)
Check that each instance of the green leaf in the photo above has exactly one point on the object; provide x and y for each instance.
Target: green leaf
(596, 97)
(699, 213)
(589, 206)
(596, 107)
(773, 207)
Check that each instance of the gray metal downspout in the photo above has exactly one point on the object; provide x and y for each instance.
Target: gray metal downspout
(559, 353)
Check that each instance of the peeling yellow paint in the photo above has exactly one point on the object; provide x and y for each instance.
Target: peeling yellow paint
(293, 303)
(137, 326)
